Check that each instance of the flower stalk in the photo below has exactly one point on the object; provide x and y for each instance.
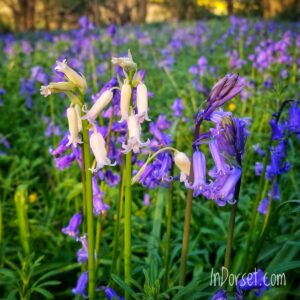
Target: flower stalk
(88, 192)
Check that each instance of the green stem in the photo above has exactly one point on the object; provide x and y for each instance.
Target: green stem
(186, 234)
(118, 219)
(89, 209)
(168, 237)
(98, 239)
(127, 221)
(227, 263)
(1, 221)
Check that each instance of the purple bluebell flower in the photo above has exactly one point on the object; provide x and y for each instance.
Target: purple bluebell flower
(146, 200)
(81, 285)
(221, 168)
(294, 118)
(111, 178)
(99, 206)
(27, 89)
(157, 173)
(82, 253)
(72, 228)
(4, 141)
(111, 30)
(223, 188)
(258, 168)
(263, 206)
(162, 123)
(277, 130)
(61, 147)
(163, 138)
(110, 293)
(219, 295)
(64, 162)
(199, 167)
(177, 107)
(2, 92)
(256, 280)
(39, 75)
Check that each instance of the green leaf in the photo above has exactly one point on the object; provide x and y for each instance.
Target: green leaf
(43, 292)
(124, 286)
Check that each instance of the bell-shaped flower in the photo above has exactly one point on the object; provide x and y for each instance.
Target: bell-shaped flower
(199, 168)
(97, 144)
(110, 293)
(142, 101)
(73, 121)
(72, 228)
(134, 142)
(79, 122)
(82, 253)
(78, 80)
(183, 163)
(99, 206)
(125, 101)
(126, 63)
(254, 281)
(225, 193)
(98, 106)
(57, 87)
(294, 118)
(81, 285)
(221, 168)
(220, 295)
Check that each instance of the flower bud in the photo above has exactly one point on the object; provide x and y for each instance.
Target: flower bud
(57, 87)
(72, 75)
(183, 163)
(98, 106)
(74, 139)
(126, 63)
(142, 101)
(125, 101)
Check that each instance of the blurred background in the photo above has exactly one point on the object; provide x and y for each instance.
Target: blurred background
(29, 15)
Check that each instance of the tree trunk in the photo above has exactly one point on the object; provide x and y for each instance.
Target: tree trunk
(31, 15)
(230, 7)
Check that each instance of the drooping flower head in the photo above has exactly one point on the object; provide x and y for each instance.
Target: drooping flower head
(254, 281)
(72, 228)
(134, 142)
(81, 285)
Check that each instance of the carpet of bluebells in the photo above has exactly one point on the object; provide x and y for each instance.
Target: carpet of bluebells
(183, 136)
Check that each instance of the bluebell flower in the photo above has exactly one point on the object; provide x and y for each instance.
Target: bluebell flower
(254, 281)
(277, 130)
(258, 168)
(98, 204)
(81, 285)
(82, 253)
(294, 118)
(61, 147)
(177, 107)
(219, 295)
(72, 228)
(199, 168)
(110, 293)
(64, 162)
(263, 206)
